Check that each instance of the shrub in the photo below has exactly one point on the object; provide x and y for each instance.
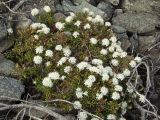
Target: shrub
(79, 60)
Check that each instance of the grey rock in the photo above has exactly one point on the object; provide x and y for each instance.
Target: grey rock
(3, 30)
(145, 42)
(5, 44)
(7, 67)
(22, 22)
(59, 16)
(117, 12)
(136, 22)
(107, 8)
(114, 2)
(134, 39)
(59, 8)
(69, 7)
(11, 87)
(150, 6)
(118, 29)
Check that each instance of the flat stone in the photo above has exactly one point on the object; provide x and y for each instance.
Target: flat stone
(136, 22)
(7, 67)
(5, 44)
(11, 87)
(107, 8)
(117, 12)
(150, 6)
(114, 2)
(118, 29)
(69, 7)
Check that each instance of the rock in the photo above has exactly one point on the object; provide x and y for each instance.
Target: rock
(3, 30)
(117, 12)
(11, 87)
(59, 16)
(114, 2)
(6, 44)
(150, 6)
(118, 29)
(107, 8)
(94, 2)
(6, 67)
(59, 8)
(145, 42)
(22, 22)
(69, 7)
(136, 22)
(134, 42)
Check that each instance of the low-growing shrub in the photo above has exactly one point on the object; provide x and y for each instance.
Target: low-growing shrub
(79, 60)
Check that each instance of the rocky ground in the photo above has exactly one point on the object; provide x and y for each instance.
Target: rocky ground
(135, 22)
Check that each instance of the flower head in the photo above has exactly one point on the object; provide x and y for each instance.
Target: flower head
(34, 12)
(47, 9)
(37, 59)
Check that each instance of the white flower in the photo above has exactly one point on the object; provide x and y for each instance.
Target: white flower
(82, 116)
(35, 25)
(105, 42)
(113, 39)
(67, 69)
(49, 53)
(92, 78)
(93, 41)
(138, 59)
(75, 34)
(72, 60)
(36, 37)
(115, 96)
(94, 119)
(85, 10)
(79, 93)
(122, 118)
(123, 54)
(94, 69)
(89, 18)
(114, 62)
(34, 12)
(124, 105)
(39, 50)
(103, 52)
(115, 81)
(142, 98)
(47, 82)
(120, 76)
(97, 62)
(47, 9)
(116, 54)
(98, 19)
(66, 51)
(77, 23)
(107, 24)
(46, 30)
(105, 77)
(99, 96)
(69, 19)
(118, 88)
(104, 90)
(63, 77)
(91, 13)
(82, 65)
(126, 72)
(77, 105)
(37, 59)
(59, 26)
(58, 47)
(132, 63)
(130, 89)
(10, 30)
(72, 14)
(111, 117)
(111, 48)
(87, 26)
(61, 61)
(88, 83)
(54, 75)
(48, 63)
